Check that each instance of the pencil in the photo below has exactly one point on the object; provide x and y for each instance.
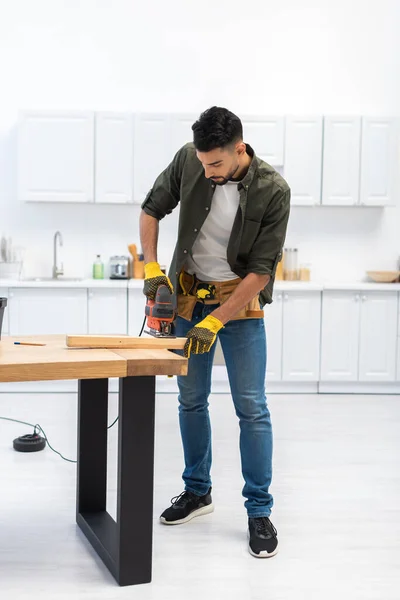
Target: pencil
(28, 344)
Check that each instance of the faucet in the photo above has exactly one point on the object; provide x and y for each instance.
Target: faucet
(56, 270)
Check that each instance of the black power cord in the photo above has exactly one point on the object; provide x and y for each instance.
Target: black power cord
(38, 429)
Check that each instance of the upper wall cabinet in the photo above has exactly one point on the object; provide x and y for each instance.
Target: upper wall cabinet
(113, 158)
(303, 156)
(55, 156)
(266, 136)
(152, 151)
(341, 163)
(380, 161)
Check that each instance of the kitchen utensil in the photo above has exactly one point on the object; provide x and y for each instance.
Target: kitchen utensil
(384, 276)
(133, 250)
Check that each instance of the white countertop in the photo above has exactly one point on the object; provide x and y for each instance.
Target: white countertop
(310, 286)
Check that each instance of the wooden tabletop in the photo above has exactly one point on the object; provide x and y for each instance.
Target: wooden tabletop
(55, 361)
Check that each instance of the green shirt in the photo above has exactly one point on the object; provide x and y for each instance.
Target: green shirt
(259, 230)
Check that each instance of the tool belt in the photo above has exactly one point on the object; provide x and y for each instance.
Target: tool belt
(192, 290)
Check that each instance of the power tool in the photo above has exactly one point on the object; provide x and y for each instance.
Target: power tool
(160, 313)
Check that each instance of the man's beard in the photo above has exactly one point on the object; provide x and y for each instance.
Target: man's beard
(224, 180)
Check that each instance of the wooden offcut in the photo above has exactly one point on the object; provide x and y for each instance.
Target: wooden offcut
(125, 342)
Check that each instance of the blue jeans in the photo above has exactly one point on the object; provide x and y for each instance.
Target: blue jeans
(244, 346)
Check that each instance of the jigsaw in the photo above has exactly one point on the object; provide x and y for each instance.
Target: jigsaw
(160, 313)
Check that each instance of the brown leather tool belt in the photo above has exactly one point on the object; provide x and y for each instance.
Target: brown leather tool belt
(211, 292)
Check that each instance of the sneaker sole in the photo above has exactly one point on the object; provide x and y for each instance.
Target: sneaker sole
(204, 510)
(263, 553)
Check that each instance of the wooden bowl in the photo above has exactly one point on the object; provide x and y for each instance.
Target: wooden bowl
(384, 276)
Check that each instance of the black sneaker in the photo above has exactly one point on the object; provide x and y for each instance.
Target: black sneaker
(185, 507)
(263, 541)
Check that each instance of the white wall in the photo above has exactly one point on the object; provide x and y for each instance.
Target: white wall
(289, 57)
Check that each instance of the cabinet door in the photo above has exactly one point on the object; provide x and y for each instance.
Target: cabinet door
(55, 156)
(273, 326)
(152, 152)
(378, 336)
(4, 294)
(339, 336)
(36, 311)
(301, 336)
(379, 161)
(266, 136)
(114, 158)
(181, 130)
(341, 167)
(303, 157)
(108, 311)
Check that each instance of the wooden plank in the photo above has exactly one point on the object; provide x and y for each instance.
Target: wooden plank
(153, 362)
(124, 341)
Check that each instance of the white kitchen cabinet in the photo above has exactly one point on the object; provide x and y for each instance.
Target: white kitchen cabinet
(108, 311)
(303, 158)
(181, 130)
(273, 317)
(378, 336)
(36, 311)
(266, 135)
(4, 328)
(152, 151)
(56, 156)
(114, 158)
(340, 336)
(301, 336)
(136, 308)
(379, 161)
(341, 163)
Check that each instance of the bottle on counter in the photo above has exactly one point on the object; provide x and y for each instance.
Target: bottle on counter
(98, 268)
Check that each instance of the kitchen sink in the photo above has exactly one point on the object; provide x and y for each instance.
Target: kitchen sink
(56, 280)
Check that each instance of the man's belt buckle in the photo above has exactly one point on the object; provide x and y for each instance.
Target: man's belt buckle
(205, 291)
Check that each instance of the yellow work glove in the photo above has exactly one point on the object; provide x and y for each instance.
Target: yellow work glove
(154, 277)
(202, 336)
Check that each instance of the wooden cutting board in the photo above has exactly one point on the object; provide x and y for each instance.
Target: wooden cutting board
(124, 341)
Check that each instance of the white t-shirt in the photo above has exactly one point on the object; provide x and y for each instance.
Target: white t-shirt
(209, 253)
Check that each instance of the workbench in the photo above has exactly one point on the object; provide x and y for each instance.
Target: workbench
(124, 545)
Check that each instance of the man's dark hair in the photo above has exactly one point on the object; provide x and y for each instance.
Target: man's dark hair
(216, 128)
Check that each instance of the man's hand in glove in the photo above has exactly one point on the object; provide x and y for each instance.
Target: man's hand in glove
(202, 336)
(154, 277)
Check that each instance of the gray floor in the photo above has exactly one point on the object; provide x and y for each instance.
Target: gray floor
(336, 488)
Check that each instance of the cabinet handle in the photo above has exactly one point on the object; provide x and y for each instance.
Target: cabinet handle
(279, 297)
(363, 298)
(357, 297)
(91, 294)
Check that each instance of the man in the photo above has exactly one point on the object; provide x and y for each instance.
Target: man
(234, 210)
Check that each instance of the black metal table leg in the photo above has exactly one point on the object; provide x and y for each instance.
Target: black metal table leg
(125, 546)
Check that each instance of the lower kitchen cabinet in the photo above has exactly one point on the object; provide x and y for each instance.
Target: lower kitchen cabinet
(340, 336)
(301, 336)
(107, 311)
(358, 341)
(378, 336)
(293, 336)
(36, 311)
(136, 307)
